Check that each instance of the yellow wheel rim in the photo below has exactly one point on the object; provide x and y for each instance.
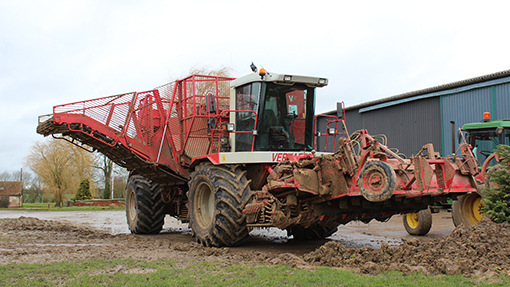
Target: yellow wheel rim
(412, 220)
(477, 208)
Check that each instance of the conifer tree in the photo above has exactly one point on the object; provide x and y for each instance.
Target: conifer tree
(497, 196)
(84, 190)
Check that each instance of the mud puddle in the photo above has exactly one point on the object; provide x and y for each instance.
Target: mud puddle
(354, 234)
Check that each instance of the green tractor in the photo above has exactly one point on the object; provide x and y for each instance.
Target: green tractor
(483, 138)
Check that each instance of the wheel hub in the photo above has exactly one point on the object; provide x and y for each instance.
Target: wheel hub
(374, 182)
(205, 205)
(412, 220)
(477, 209)
(131, 204)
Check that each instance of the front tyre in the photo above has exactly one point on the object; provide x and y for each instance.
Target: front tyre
(467, 209)
(216, 197)
(144, 206)
(418, 223)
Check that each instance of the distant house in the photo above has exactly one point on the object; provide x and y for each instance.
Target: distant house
(10, 193)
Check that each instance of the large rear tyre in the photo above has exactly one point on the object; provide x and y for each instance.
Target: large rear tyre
(418, 223)
(216, 197)
(144, 206)
(377, 181)
(467, 210)
(314, 232)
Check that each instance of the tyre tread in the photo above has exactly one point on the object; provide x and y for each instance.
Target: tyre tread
(231, 192)
(150, 206)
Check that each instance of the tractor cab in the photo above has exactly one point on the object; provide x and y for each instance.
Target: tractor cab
(273, 112)
(485, 136)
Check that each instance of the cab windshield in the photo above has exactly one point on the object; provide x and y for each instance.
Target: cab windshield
(285, 117)
(484, 142)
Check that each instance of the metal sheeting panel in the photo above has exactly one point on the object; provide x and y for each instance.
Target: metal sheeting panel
(463, 108)
(407, 126)
(410, 125)
(502, 104)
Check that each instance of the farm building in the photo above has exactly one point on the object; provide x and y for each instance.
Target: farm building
(10, 193)
(413, 119)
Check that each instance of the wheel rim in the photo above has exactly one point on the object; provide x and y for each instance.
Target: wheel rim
(131, 203)
(205, 205)
(374, 181)
(477, 209)
(412, 220)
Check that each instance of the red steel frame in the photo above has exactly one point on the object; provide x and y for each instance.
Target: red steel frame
(167, 125)
(334, 120)
(415, 177)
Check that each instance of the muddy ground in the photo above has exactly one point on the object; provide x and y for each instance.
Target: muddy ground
(480, 251)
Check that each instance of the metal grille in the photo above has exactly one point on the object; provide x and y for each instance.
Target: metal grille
(110, 111)
(196, 115)
(160, 125)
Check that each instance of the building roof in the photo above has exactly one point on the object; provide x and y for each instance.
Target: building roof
(10, 188)
(433, 91)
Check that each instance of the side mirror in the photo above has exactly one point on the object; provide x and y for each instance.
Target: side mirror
(468, 138)
(340, 110)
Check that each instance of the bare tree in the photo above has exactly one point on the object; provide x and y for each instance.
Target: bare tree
(120, 182)
(60, 166)
(10, 176)
(205, 87)
(106, 166)
(112, 177)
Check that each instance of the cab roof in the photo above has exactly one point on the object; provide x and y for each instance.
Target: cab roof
(486, 125)
(282, 79)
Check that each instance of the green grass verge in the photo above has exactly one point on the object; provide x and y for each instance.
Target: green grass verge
(131, 272)
(39, 205)
(51, 207)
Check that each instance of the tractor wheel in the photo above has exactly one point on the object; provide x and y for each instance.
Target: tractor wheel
(467, 209)
(418, 223)
(377, 181)
(216, 198)
(144, 206)
(314, 232)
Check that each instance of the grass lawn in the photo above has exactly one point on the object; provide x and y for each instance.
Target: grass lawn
(131, 272)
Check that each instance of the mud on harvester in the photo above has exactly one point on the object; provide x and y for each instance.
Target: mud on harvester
(228, 155)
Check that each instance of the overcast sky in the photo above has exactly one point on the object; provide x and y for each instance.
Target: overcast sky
(55, 52)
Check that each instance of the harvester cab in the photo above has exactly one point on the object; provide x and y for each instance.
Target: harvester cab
(272, 113)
